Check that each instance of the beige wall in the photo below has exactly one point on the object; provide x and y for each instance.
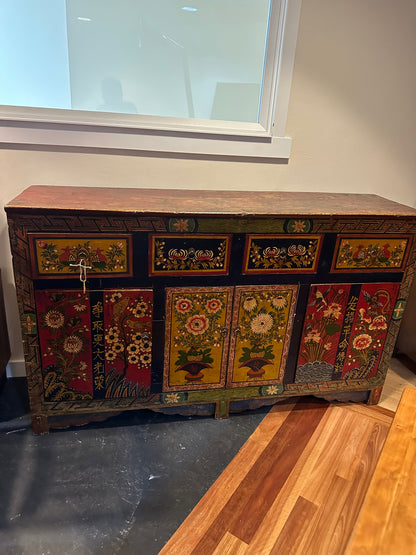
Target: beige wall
(351, 116)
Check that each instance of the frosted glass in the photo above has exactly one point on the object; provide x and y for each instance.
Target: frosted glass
(189, 58)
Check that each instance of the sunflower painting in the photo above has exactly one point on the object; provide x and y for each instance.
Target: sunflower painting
(261, 331)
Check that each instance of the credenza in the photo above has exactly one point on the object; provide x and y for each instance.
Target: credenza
(192, 301)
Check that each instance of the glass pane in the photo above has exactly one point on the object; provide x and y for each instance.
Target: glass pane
(181, 58)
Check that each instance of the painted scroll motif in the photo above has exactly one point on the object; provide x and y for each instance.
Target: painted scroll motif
(344, 331)
(377, 253)
(261, 331)
(197, 337)
(281, 253)
(189, 254)
(58, 256)
(95, 345)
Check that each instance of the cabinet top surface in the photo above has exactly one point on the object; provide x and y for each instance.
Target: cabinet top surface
(198, 202)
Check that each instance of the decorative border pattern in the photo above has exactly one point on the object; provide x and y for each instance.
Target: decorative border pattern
(371, 253)
(178, 255)
(56, 256)
(275, 254)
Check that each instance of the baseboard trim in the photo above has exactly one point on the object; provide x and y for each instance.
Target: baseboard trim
(16, 369)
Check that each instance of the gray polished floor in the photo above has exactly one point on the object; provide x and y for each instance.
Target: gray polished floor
(117, 487)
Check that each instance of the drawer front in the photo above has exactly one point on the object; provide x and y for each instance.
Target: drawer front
(55, 256)
(276, 254)
(180, 255)
(379, 253)
(95, 345)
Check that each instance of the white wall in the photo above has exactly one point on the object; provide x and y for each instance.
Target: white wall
(351, 116)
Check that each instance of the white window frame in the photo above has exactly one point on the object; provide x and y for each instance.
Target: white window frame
(131, 132)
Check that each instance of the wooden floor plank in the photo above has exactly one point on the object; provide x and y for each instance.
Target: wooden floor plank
(358, 488)
(250, 502)
(230, 545)
(387, 523)
(295, 528)
(274, 522)
(295, 487)
(185, 539)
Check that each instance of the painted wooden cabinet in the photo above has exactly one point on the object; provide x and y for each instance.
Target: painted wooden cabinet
(177, 300)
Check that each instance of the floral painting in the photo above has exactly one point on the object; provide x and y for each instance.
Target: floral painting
(376, 253)
(197, 336)
(189, 254)
(260, 333)
(344, 331)
(59, 256)
(64, 324)
(281, 253)
(373, 314)
(96, 344)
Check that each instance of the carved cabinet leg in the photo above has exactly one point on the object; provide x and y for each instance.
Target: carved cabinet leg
(40, 424)
(375, 395)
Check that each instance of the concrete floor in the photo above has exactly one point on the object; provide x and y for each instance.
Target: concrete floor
(122, 486)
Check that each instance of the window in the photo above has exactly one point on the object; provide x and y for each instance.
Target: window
(189, 76)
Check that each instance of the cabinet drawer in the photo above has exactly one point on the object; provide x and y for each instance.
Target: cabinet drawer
(57, 256)
(385, 253)
(189, 254)
(265, 254)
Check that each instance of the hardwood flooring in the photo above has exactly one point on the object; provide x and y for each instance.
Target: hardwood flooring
(387, 523)
(295, 487)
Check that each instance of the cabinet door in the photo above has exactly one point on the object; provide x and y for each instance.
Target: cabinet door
(95, 345)
(262, 322)
(344, 331)
(197, 337)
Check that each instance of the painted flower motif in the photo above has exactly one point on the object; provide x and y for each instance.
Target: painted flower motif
(364, 316)
(110, 356)
(42, 244)
(73, 344)
(333, 311)
(183, 305)
(181, 224)
(54, 319)
(112, 335)
(133, 359)
(80, 307)
(118, 348)
(136, 338)
(262, 323)
(133, 348)
(213, 305)
(140, 310)
(198, 324)
(249, 304)
(379, 323)
(172, 397)
(279, 302)
(272, 390)
(327, 346)
(115, 296)
(312, 337)
(146, 359)
(146, 345)
(362, 341)
(298, 226)
(82, 365)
